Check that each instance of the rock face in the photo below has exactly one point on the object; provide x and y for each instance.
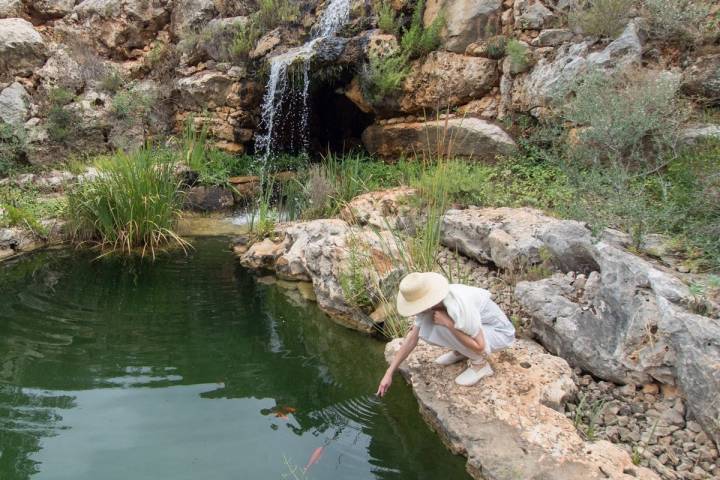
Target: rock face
(14, 104)
(11, 8)
(51, 8)
(551, 79)
(447, 79)
(703, 78)
(319, 251)
(22, 49)
(191, 15)
(466, 21)
(616, 315)
(471, 138)
(510, 426)
(209, 199)
(120, 26)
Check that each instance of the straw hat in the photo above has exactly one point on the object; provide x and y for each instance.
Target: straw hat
(420, 291)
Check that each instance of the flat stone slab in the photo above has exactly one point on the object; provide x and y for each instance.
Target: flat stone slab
(510, 425)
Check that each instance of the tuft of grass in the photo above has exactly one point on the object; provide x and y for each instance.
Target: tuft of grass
(586, 415)
(418, 41)
(677, 21)
(602, 18)
(519, 56)
(245, 39)
(13, 142)
(496, 46)
(386, 17)
(132, 206)
(383, 76)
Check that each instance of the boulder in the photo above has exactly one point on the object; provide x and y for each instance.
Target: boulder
(702, 78)
(320, 251)
(386, 209)
(469, 138)
(120, 27)
(190, 16)
(613, 313)
(552, 37)
(61, 70)
(552, 79)
(466, 21)
(445, 79)
(210, 89)
(532, 15)
(14, 104)
(511, 425)
(22, 49)
(209, 199)
(11, 8)
(699, 133)
(47, 9)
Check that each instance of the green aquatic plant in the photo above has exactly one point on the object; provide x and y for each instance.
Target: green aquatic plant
(131, 206)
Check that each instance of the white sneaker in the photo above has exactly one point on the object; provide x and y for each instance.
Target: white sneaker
(449, 358)
(474, 374)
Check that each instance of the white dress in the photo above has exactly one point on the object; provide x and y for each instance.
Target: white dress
(473, 312)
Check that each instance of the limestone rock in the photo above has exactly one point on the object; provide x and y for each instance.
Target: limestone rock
(703, 78)
(61, 70)
(471, 138)
(445, 79)
(318, 251)
(507, 426)
(699, 133)
(14, 104)
(190, 16)
(121, 26)
(209, 199)
(552, 37)
(51, 8)
(532, 15)
(466, 21)
(552, 79)
(384, 209)
(11, 8)
(22, 49)
(205, 89)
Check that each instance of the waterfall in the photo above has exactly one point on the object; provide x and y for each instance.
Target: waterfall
(336, 14)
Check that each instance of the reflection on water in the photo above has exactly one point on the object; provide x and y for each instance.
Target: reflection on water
(187, 369)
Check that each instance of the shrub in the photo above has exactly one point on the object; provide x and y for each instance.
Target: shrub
(417, 40)
(496, 46)
(132, 205)
(387, 21)
(676, 20)
(383, 76)
(12, 147)
(626, 120)
(133, 105)
(245, 39)
(111, 81)
(62, 123)
(272, 13)
(519, 56)
(602, 18)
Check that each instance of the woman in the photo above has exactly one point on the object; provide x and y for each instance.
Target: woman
(454, 316)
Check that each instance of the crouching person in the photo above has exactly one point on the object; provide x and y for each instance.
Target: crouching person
(459, 317)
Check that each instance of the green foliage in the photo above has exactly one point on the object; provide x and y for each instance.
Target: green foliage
(60, 96)
(112, 81)
(25, 208)
(62, 122)
(519, 56)
(677, 20)
(417, 40)
(496, 46)
(387, 18)
(247, 36)
(132, 205)
(270, 14)
(353, 278)
(626, 120)
(383, 76)
(133, 105)
(12, 147)
(603, 18)
(586, 416)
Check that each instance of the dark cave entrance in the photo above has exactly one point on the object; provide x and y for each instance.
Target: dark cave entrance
(333, 123)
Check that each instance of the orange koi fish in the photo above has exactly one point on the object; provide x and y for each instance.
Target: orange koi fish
(315, 457)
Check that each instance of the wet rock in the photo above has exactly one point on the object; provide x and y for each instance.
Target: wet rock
(466, 21)
(14, 104)
(445, 79)
(703, 78)
(472, 138)
(513, 433)
(22, 49)
(209, 199)
(386, 209)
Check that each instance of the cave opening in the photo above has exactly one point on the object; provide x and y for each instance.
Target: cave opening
(330, 123)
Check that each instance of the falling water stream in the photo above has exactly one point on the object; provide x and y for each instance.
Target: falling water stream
(333, 18)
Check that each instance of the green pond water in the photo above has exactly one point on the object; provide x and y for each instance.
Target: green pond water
(189, 369)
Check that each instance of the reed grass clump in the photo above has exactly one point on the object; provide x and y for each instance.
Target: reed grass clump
(131, 206)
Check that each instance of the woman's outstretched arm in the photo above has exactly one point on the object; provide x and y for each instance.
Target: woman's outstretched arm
(410, 342)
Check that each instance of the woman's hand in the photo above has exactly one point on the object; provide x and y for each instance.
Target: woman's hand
(443, 319)
(384, 385)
